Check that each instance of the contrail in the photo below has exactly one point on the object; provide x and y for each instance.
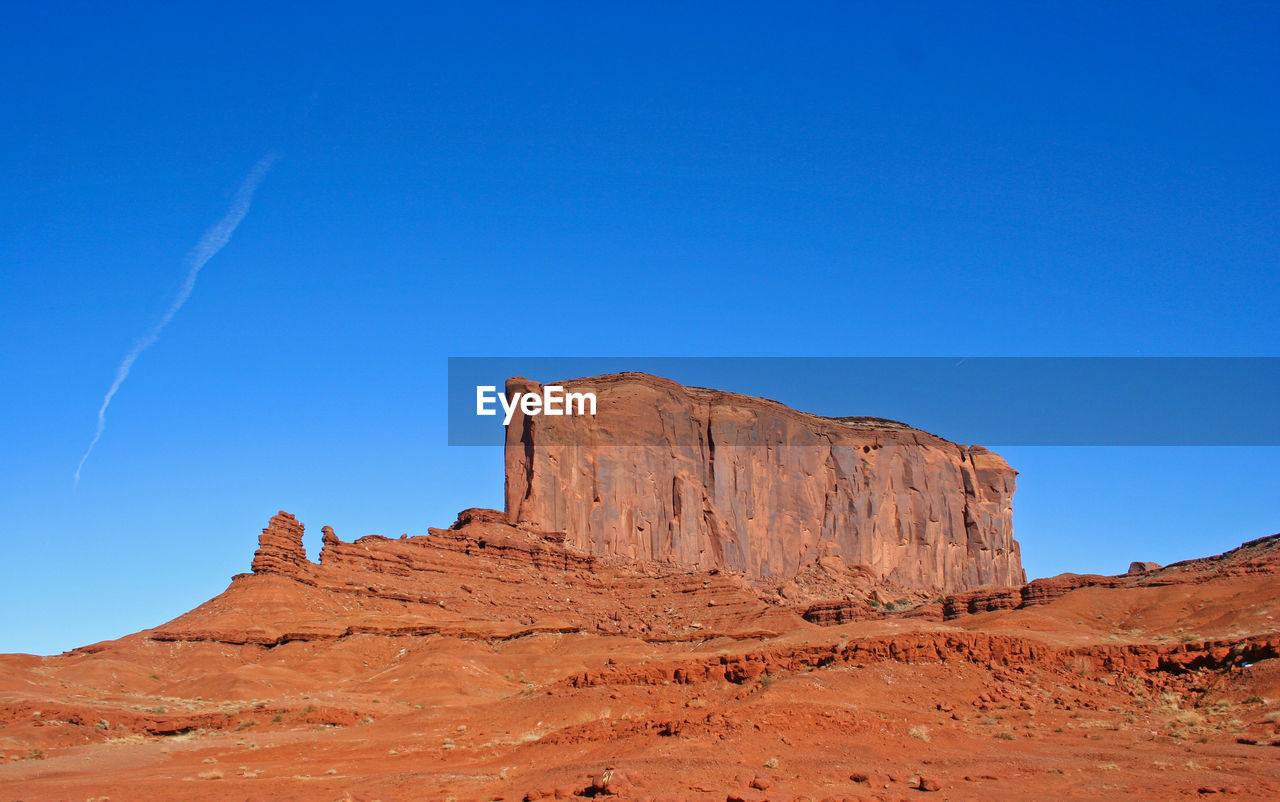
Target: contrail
(210, 243)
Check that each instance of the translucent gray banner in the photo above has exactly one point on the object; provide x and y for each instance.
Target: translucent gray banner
(993, 401)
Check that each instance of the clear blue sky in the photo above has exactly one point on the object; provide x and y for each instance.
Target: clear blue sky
(591, 179)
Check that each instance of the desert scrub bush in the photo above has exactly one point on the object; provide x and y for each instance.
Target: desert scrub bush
(1185, 724)
(530, 737)
(920, 733)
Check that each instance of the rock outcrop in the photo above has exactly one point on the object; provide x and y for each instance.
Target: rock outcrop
(480, 579)
(720, 480)
(280, 546)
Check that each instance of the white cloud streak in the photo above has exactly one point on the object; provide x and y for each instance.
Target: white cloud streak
(212, 241)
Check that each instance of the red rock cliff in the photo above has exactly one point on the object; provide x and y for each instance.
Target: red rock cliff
(720, 480)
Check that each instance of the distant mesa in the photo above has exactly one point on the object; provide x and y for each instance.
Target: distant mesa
(712, 479)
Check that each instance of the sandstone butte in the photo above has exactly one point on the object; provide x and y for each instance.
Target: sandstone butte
(721, 480)
(500, 660)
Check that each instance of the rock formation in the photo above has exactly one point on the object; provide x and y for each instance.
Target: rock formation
(720, 480)
(280, 545)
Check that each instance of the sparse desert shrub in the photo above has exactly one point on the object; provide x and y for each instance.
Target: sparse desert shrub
(920, 733)
(1188, 718)
(530, 737)
(1100, 724)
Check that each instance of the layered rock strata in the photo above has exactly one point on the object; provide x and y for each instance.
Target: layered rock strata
(720, 480)
(1251, 558)
(280, 546)
(479, 579)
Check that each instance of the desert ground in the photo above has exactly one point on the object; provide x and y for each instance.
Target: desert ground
(487, 662)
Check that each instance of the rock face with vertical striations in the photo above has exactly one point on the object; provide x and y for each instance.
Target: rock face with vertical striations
(721, 480)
